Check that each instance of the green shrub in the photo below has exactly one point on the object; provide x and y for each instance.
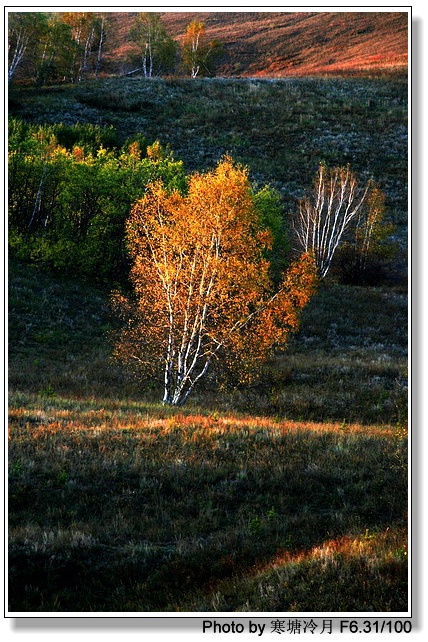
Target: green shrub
(70, 191)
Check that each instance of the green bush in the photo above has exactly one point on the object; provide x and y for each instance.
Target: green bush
(70, 191)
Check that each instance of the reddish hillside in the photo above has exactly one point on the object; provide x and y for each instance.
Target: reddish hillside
(281, 43)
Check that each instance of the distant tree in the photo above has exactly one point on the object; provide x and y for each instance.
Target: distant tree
(55, 52)
(87, 29)
(48, 47)
(157, 49)
(25, 29)
(102, 36)
(202, 284)
(199, 54)
(324, 218)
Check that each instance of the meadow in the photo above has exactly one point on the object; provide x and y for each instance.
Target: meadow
(290, 495)
(280, 128)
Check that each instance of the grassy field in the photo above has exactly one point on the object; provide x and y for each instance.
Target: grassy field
(291, 496)
(280, 128)
(287, 496)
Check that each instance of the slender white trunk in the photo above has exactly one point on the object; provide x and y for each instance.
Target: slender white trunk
(100, 47)
(20, 47)
(321, 224)
(38, 199)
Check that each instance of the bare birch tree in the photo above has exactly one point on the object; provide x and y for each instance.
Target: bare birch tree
(323, 218)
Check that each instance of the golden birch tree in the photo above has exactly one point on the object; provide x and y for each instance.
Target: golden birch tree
(202, 283)
(198, 53)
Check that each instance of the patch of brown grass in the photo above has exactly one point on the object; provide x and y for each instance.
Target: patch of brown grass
(116, 508)
(287, 43)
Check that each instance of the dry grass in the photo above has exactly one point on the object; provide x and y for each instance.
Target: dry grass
(286, 43)
(114, 507)
(120, 504)
(357, 574)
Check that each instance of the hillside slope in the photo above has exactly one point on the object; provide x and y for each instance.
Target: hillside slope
(282, 43)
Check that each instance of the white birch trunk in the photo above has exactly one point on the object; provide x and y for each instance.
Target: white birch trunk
(320, 225)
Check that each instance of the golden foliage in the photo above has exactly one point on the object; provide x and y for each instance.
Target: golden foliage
(202, 283)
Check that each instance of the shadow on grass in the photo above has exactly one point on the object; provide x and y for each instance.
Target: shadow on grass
(118, 509)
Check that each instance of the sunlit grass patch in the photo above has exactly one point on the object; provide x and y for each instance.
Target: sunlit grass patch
(156, 506)
(367, 572)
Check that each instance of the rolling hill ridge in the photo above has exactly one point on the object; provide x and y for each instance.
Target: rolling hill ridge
(281, 43)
